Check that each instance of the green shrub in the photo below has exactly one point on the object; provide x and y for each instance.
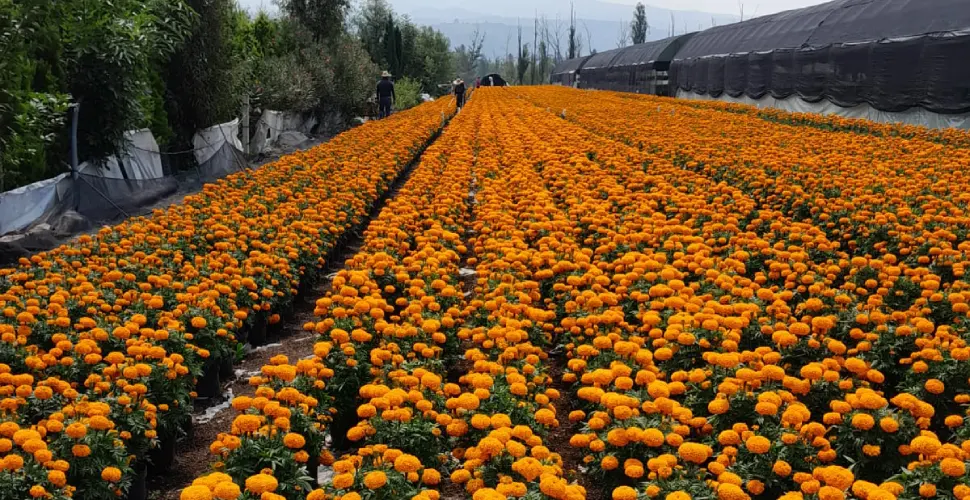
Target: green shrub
(285, 84)
(408, 93)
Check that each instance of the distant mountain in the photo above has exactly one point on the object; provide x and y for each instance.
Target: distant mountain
(498, 20)
(596, 20)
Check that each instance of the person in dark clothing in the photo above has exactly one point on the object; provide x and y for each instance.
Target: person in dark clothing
(460, 92)
(478, 82)
(385, 95)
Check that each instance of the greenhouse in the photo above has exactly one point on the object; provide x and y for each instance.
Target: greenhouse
(889, 60)
(566, 72)
(640, 68)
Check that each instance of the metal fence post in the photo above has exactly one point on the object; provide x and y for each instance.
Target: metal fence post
(75, 111)
(245, 124)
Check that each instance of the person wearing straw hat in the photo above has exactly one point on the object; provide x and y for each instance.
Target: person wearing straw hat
(460, 92)
(385, 95)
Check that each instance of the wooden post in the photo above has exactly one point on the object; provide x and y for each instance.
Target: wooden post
(245, 124)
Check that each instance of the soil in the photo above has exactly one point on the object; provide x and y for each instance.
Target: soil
(558, 440)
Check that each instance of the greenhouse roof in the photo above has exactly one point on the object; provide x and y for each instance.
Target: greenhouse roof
(840, 21)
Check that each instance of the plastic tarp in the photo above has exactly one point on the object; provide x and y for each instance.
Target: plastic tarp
(218, 149)
(889, 54)
(636, 55)
(795, 104)
(274, 123)
(20, 207)
(140, 159)
(102, 193)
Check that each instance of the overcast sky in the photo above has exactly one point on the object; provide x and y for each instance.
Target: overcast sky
(751, 7)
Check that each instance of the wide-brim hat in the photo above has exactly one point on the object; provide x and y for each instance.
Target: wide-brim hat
(386, 74)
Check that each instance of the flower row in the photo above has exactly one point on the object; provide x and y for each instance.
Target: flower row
(102, 340)
(393, 313)
(510, 451)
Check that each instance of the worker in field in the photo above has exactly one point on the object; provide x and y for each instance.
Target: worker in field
(460, 92)
(385, 95)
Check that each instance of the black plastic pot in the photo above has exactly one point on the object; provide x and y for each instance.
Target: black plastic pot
(257, 334)
(189, 428)
(313, 470)
(225, 368)
(208, 386)
(242, 335)
(162, 457)
(139, 484)
(342, 422)
(306, 286)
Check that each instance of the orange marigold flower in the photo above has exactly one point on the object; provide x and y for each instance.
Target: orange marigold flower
(111, 474)
(758, 444)
(407, 463)
(294, 441)
(624, 493)
(694, 452)
(261, 483)
(196, 493)
(375, 479)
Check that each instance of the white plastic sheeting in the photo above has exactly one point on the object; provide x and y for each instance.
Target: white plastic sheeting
(208, 142)
(273, 123)
(795, 104)
(22, 206)
(217, 150)
(140, 159)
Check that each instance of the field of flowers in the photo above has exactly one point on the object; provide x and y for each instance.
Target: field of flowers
(103, 342)
(573, 295)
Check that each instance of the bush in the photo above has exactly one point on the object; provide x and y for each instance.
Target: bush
(284, 83)
(355, 76)
(408, 93)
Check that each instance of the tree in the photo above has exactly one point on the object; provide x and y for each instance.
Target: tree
(324, 18)
(552, 35)
(623, 36)
(574, 43)
(411, 61)
(201, 88)
(468, 58)
(543, 51)
(535, 43)
(111, 55)
(369, 23)
(639, 27)
(522, 64)
(393, 47)
(433, 49)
